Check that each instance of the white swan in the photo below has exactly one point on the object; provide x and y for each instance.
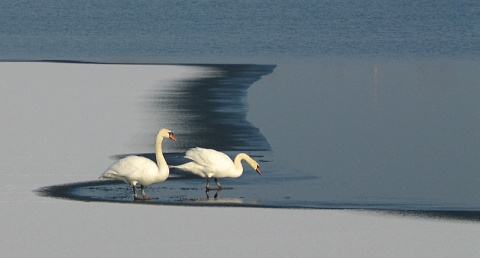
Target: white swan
(135, 170)
(209, 163)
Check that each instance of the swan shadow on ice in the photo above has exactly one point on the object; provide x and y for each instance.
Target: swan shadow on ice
(174, 192)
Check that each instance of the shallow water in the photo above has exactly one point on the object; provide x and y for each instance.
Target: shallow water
(353, 142)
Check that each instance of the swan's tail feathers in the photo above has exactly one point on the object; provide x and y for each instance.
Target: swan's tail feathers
(183, 167)
(179, 167)
(109, 174)
(190, 167)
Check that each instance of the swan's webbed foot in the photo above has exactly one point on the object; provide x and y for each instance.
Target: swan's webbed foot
(144, 195)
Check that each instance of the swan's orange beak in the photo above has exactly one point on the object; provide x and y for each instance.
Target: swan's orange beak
(171, 136)
(258, 170)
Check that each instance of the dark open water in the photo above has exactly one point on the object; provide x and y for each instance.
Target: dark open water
(245, 31)
(362, 104)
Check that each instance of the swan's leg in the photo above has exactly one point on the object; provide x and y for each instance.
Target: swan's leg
(135, 197)
(206, 193)
(218, 183)
(144, 194)
(207, 186)
(134, 192)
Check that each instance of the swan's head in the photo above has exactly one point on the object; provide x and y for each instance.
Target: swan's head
(253, 163)
(258, 169)
(167, 133)
(255, 166)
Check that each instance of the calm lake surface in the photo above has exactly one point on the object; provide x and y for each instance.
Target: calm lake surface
(346, 104)
(247, 31)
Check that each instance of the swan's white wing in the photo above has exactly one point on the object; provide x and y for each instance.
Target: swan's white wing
(210, 163)
(209, 157)
(192, 167)
(130, 167)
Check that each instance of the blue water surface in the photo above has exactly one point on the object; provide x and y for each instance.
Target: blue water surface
(243, 31)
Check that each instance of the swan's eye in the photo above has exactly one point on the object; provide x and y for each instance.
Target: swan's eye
(258, 166)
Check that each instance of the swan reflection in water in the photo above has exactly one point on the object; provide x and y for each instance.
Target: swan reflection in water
(217, 191)
(216, 198)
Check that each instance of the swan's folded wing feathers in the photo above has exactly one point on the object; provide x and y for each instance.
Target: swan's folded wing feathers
(207, 157)
(131, 164)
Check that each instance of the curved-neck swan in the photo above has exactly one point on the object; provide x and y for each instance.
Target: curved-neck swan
(209, 163)
(135, 170)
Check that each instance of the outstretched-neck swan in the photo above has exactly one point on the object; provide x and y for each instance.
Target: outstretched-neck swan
(209, 163)
(135, 170)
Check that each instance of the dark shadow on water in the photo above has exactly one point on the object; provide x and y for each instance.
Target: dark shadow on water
(190, 191)
(211, 112)
(174, 193)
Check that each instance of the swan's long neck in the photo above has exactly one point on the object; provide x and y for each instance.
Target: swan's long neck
(238, 161)
(161, 162)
